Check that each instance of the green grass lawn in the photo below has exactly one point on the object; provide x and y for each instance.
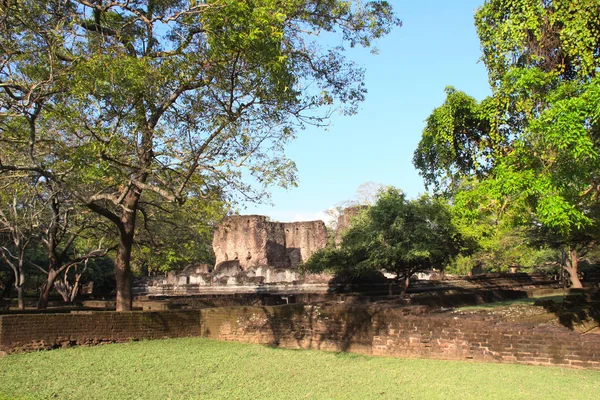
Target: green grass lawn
(197, 368)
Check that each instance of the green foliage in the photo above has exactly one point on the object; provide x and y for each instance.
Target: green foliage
(559, 36)
(172, 236)
(503, 248)
(496, 235)
(122, 103)
(396, 235)
(218, 88)
(538, 154)
(454, 141)
(208, 88)
(540, 142)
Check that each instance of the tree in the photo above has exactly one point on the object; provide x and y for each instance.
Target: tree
(18, 217)
(69, 288)
(172, 97)
(535, 139)
(400, 236)
(573, 247)
(496, 235)
(69, 237)
(456, 143)
(43, 229)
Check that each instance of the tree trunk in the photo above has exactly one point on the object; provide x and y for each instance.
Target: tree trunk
(20, 286)
(63, 290)
(20, 297)
(404, 285)
(46, 288)
(75, 289)
(122, 262)
(572, 267)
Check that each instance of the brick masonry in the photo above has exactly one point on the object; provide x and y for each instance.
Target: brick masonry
(355, 328)
(47, 331)
(391, 332)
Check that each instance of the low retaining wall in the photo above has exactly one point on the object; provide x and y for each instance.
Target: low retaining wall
(47, 331)
(390, 332)
(354, 328)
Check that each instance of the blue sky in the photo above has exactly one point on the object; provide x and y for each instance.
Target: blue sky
(436, 46)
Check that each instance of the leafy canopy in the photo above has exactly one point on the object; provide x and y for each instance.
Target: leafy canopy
(396, 235)
(128, 104)
(535, 139)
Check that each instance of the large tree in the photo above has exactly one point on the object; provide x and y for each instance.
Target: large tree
(395, 235)
(114, 100)
(536, 139)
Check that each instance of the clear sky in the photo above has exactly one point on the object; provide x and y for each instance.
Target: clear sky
(436, 46)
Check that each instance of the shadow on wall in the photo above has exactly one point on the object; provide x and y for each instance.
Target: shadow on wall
(276, 254)
(315, 327)
(280, 256)
(580, 309)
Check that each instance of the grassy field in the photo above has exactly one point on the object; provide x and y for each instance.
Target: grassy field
(198, 368)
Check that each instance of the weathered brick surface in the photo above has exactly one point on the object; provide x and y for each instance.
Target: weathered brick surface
(254, 241)
(388, 332)
(45, 331)
(356, 328)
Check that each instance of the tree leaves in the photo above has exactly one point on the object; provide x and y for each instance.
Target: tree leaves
(396, 235)
(541, 143)
(123, 104)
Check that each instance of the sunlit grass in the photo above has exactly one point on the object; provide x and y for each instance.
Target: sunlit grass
(197, 368)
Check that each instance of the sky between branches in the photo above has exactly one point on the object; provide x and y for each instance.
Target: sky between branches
(437, 46)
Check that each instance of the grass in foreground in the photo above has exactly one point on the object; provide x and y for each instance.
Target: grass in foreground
(197, 368)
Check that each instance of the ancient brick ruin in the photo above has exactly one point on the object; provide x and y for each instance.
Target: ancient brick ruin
(250, 251)
(253, 241)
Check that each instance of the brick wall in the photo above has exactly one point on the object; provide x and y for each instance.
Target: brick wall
(46, 331)
(390, 332)
(355, 328)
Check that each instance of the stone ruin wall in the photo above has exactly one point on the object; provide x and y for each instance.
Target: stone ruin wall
(245, 238)
(254, 242)
(303, 239)
(250, 251)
